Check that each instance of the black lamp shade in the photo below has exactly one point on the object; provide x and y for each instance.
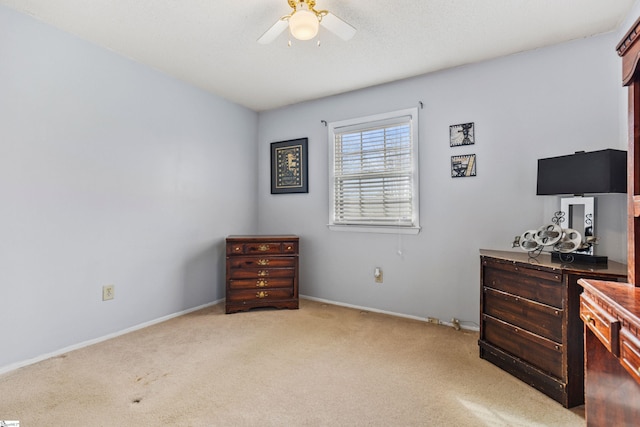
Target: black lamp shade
(603, 171)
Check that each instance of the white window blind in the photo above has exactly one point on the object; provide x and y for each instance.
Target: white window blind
(374, 175)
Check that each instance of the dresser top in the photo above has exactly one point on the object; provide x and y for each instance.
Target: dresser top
(544, 260)
(263, 237)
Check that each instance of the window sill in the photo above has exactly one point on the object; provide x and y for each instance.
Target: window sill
(374, 229)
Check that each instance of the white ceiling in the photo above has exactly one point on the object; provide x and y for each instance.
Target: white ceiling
(212, 43)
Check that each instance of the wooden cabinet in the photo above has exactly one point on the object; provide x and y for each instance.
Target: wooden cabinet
(611, 311)
(611, 315)
(629, 50)
(262, 271)
(529, 319)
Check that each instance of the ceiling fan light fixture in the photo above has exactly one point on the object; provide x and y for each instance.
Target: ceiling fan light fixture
(303, 23)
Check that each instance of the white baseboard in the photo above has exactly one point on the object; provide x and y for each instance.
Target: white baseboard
(42, 357)
(474, 328)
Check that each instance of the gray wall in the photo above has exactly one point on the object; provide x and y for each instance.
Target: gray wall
(110, 173)
(542, 103)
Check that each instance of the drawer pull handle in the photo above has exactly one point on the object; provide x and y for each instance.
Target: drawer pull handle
(263, 273)
(263, 262)
(261, 283)
(289, 248)
(262, 294)
(590, 319)
(237, 249)
(263, 248)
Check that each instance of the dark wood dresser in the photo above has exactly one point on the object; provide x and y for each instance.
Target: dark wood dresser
(611, 311)
(611, 314)
(262, 271)
(529, 319)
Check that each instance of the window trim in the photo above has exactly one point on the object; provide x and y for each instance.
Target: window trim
(361, 123)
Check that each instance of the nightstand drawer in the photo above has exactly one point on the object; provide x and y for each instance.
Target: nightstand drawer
(261, 283)
(630, 353)
(602, 324)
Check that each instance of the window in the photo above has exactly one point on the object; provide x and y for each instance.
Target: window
(374, 173)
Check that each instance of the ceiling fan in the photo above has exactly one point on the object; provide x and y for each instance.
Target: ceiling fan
(304, 22)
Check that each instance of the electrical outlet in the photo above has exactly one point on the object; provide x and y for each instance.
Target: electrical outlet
(377, 274)
(108, 292)
(433, 320)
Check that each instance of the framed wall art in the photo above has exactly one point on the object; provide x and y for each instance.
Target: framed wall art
(289, 166)
(462, 134)
(463, 165)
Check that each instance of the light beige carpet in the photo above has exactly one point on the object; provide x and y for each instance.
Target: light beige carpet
(322, 365)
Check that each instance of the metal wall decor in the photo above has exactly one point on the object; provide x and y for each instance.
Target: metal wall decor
(289, 166)
(463, 165)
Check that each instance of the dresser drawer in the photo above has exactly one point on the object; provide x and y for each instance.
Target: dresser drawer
(538, 351)
(602, 324)
(256, 296)
(541, 319)
(289, 247)
(261, 283)
(270, 248)
(536, 285)
(630, 353)
(261, 248)
(250, 273)
(259, 262)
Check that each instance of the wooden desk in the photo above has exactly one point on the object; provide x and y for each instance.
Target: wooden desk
(611, 315)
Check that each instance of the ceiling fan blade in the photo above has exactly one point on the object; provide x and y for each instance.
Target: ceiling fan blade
(337, 26)
(273, 32)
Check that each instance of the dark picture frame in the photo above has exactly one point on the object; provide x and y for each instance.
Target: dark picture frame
(462, 134)
(289, 163)
(463, 165)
